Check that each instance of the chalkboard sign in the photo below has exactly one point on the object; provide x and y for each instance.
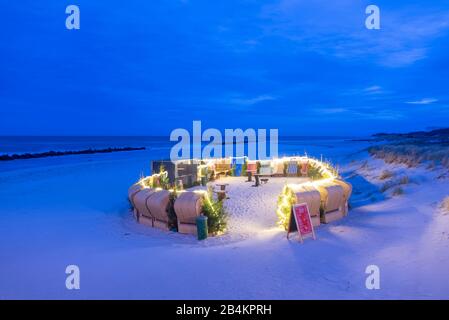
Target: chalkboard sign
(301, 222)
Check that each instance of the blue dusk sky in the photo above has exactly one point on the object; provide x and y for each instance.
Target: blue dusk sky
(148, 67)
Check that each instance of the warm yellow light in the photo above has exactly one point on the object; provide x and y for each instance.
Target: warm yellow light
(285, 200)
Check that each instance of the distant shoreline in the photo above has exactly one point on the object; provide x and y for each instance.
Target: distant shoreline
(7, 157)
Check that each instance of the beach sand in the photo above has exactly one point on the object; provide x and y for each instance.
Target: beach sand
(77, 213)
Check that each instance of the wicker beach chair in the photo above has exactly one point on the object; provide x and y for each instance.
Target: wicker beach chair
(304, 168)
(347, 191)
(222, 166)
(188, 207)
(311, 196)
(157, 205)
(292, 169)
(278, 168)
(332, 202)
(142, 213)
(265, 168)
(251, 166)
(237, 165)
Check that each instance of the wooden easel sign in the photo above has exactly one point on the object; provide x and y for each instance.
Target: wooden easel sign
(301, 222)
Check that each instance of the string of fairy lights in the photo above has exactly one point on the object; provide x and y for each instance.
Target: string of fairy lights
(286, 199)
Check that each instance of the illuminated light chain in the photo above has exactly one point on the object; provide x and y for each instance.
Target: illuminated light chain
(142, 180)
(285, 199)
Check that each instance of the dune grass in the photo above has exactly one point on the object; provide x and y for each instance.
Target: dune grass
(411, 154)
(398, 191)
(386, 174)
(445, 205)
(395, 183)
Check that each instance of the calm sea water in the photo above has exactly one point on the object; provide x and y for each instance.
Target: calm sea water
(25, 144)
(159, 147)
(132, 165)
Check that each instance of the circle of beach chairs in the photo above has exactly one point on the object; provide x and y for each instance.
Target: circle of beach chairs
(327, 198)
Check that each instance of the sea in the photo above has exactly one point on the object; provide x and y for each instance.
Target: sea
(331, 148)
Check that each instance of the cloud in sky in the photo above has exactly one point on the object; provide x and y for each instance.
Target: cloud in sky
(423, 101)
(358, 113)
(252, 101)
(330, 110)
(404, 38)
(373, 90)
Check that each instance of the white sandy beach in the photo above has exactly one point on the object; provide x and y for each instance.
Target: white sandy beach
(77, 213)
